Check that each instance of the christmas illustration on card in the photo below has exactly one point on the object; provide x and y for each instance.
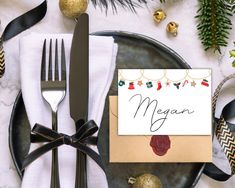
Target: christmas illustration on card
(164, 102)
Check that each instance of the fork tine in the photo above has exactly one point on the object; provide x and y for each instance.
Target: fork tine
(56, 61)
(43, 62)
(63, 61)
(50, 61)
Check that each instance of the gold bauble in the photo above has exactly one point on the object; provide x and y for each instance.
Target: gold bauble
(146, 181)
(159, 15)
(172, 28)
(73, 8)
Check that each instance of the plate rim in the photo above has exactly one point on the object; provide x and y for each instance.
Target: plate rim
(143, 37)
(10, 137)
(102, 33)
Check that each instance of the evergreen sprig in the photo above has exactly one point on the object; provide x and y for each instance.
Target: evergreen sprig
(231, 5)
(127, 4)
(214, 23)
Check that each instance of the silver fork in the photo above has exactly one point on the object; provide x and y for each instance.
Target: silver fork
(53, 91)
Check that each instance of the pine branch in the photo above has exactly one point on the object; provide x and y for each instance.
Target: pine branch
(129, 4)
(214, 23)
(231, 5)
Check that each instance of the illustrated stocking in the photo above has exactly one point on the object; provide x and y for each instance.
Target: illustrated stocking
(159, 86)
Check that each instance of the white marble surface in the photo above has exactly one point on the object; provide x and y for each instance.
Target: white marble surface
(186, 44)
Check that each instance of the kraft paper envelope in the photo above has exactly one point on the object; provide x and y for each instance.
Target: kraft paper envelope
(130, 149)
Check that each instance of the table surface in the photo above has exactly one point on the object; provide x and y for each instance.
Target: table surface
(186, 44)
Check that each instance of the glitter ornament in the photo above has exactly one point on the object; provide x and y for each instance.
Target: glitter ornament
(145, 181)
(73, 8)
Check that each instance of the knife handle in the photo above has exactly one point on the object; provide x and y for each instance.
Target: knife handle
(81, 168)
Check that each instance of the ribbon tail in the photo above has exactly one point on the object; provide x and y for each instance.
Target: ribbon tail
(40, 151)
(25, 21)
(92, 154)
(215, 173)
(38, 138)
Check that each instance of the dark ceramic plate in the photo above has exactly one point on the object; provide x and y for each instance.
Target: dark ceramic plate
(135, 51)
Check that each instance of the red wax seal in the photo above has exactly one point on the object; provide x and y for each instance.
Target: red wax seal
(160, 144)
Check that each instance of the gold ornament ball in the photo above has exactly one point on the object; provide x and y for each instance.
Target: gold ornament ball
(172, 28)
(159, 15)
(73, 8)
(146, 181)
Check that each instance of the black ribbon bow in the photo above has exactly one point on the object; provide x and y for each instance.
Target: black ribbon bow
(79, 140)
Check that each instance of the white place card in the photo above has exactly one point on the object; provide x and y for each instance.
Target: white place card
(164, 102)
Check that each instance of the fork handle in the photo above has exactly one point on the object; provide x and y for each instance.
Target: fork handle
(55, 180)
(55, 177)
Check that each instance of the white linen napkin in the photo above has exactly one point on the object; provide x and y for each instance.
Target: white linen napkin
(102, 58)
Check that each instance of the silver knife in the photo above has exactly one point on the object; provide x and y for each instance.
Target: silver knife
(79, 88)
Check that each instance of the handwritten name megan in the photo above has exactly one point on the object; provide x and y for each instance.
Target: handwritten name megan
(158, 115)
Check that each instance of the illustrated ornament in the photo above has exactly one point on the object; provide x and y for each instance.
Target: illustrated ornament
(73, 8)
(172, 28)
(140, 83)
(121, 83)
(177, 85)
(131, 86)
(160, 144)
(193, 83)
(149, 84)
(159, 15)
(164, 81)
(145, 181)
(185, 82)
(205, 83)
(168, 83)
